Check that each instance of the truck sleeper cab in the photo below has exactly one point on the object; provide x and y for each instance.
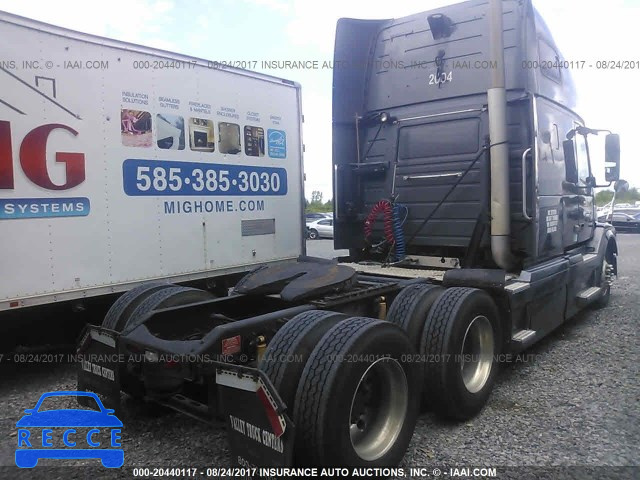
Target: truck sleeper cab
(325, 364)
(412, 130)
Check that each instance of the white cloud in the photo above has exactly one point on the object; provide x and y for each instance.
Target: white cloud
(281, 6)
(314, 24)
(202, 21)
(138, 22)
(163, 6)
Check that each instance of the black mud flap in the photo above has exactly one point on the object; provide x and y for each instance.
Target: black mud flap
(260, 432)
(98, 366)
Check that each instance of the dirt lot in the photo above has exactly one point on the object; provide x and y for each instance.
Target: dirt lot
(572, 400)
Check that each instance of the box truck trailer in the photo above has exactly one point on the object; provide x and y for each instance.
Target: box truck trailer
(121, 164)
(481, 168)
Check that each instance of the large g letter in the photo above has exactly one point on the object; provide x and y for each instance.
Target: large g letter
(33, 156)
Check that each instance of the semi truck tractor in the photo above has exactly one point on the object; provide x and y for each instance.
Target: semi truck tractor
(463, 189)
(121, 165)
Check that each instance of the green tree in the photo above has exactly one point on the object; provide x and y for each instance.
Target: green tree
(317, 205)
(630, 196)
(603, 197)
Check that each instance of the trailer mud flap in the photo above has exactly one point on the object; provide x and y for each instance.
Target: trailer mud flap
(261, 434)
(99, 365)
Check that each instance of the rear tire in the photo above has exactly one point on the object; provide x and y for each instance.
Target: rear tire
(165, 298)
(410, 308)
(460, 341)
(117, 316)
(290, 349)
(358, 397)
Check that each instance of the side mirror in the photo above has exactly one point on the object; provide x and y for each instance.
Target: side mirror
(570, 166)
(612, 157)
(621, 186)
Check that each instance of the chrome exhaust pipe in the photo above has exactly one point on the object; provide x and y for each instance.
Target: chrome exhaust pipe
(497, 102)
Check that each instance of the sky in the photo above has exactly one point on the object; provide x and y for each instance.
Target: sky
(257, 30)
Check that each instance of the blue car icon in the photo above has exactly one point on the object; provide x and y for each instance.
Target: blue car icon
(35, 422)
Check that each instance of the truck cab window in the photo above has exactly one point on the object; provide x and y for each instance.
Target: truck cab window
(582, 159)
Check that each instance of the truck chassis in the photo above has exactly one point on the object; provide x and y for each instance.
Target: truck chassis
(345, 359)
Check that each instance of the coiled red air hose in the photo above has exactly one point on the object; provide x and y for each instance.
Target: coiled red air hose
(385, 208)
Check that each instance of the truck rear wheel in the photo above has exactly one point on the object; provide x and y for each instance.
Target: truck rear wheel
(165, 298)
(358, 397)
(459, 343)
(410, 308)
(291, 347)
(119, 313)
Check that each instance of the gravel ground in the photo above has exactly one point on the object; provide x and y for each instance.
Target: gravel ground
(571, 400)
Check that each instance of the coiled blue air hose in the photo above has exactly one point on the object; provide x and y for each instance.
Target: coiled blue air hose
(398, 232)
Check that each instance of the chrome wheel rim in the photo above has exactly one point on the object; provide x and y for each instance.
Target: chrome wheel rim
(477, 354)
(607, 275)
(378, 409)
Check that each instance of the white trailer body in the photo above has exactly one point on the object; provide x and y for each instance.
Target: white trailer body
(120, 164)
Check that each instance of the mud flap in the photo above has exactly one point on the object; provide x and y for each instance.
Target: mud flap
(98, 366)
(260, 432)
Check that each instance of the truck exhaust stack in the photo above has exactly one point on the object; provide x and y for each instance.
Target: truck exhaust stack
(497, 100)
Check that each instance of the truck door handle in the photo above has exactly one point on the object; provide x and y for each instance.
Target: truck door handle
(435, 175)
(524, 185)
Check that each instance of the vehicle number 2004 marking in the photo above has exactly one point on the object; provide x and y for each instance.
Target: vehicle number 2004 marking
(438, 79)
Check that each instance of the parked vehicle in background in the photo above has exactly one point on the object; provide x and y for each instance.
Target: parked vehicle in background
(629, 211)
(320, 229)
(312, 217)
(624, 222)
